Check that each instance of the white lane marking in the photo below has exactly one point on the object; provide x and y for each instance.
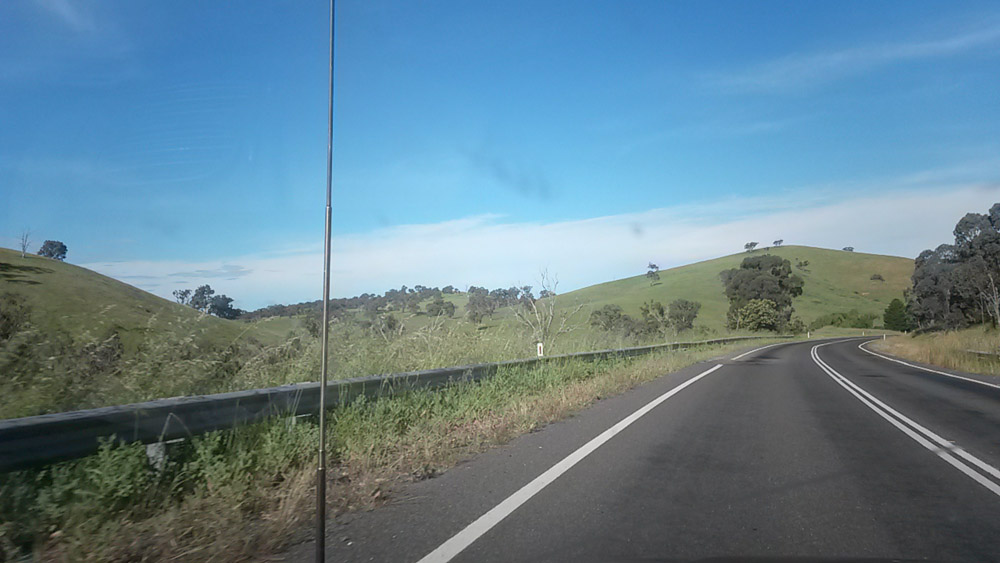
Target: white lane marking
(472, 532)
(759, 349)
(944, 449)
(861, 347)
(950, 446)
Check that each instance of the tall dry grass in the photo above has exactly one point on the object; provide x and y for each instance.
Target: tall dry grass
(949, 349)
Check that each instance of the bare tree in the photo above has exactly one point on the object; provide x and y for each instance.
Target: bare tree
(539, 315)
(25, 241)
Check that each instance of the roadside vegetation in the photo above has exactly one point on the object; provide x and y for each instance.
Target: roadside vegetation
(972, 350)
(73, 339)
(70, 338)
(953, 304)
(260, 479)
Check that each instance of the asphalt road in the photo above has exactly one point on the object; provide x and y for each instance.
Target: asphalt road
(791, 453)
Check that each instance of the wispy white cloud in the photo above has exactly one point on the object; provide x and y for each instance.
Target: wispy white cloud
(799, 71)
(723, 129)
(71, 14)
(484, 250)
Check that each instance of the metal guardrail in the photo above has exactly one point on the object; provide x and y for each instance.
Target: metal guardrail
(40, 440)
(984, 353)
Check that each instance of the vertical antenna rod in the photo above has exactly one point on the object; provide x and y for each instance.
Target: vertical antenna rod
(321, 468)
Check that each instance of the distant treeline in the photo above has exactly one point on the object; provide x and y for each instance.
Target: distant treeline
(957, 285)
(404, 298)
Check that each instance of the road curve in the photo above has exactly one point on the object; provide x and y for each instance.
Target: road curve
(798, 452)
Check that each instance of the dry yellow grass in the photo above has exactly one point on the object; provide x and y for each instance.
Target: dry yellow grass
(949, 349)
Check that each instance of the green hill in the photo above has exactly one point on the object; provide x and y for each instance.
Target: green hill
(835, 281)
(90, 341)
(89, 306)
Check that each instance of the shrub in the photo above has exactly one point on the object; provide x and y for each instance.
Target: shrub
(759, 314)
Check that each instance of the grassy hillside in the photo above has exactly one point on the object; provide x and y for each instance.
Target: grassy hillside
(835, 281)
(89, 306)
(90, 341)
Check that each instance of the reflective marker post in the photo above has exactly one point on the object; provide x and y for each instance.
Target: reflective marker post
(321, 468)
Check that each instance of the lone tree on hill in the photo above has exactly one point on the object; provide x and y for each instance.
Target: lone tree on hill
(53, 249)
(750, 246)
(849, 249)
(778, 242)
(653, 274)
(25, 241)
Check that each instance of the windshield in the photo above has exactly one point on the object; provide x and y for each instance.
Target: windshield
(746, 254)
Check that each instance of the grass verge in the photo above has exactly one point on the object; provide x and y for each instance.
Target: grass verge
(246, 493)
(949, 349)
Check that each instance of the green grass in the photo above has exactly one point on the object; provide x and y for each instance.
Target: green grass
(88, 306)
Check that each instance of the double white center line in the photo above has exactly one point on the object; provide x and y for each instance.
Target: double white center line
(946, 450)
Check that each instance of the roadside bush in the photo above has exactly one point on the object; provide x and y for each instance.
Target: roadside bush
(759, 314)
(850, 319)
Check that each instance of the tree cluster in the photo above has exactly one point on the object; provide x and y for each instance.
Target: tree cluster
(402, 299)
(764, 277)
(440, 307)
(958, 284)
(850, 319)
(483, 303)
(205, 300)
(655, 322)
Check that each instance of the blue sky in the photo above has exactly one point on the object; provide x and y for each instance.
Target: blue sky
(176, 143)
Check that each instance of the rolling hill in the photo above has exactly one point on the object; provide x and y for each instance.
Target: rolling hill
(835, 281)
(89, 306)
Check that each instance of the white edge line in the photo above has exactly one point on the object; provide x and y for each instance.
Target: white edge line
(943, 452)
(472, 532)
(944, 443)
(861, 347)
